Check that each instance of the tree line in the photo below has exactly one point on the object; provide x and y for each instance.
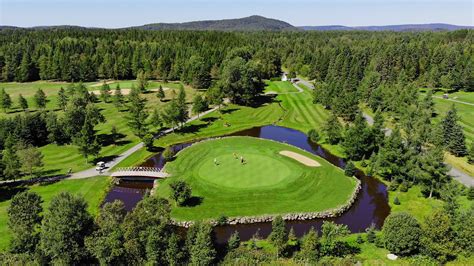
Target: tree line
(66, 233)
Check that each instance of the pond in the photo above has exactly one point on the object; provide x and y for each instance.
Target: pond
(371, 206)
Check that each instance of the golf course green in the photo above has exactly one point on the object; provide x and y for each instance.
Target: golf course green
(246, 176)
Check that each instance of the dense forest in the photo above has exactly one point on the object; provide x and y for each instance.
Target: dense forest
(383, 71)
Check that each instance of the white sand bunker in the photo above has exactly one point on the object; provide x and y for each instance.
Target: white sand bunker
(300, 158)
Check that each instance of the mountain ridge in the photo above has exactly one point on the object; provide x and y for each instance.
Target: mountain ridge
(259, 23)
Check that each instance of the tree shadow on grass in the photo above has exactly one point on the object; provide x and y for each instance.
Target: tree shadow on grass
(109, 139)
(262, 100)
(7, 192)
(193, 201)
(209, 119)
(191, 128)
(229, 110)
(104, 159)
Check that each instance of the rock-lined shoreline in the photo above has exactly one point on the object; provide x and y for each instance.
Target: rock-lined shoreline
(302, 216)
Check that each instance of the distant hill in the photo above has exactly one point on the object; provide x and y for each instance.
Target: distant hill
(259, 23)
(252, 23)
(403, 27)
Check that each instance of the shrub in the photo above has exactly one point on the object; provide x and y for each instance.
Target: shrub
(359, 239)
(222, 220)
(234, 241)
(396, 201)
(404, 186)
(314, 135)
(470, 193)
(364, 163)
(168, 154)
(393, 186)
(148, 141)
(350, 169)
(401, 233)
(371, 236)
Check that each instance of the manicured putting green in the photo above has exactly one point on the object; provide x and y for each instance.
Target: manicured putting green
(267, 183)
(258, 170)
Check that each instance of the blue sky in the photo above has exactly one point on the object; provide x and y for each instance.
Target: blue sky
(121, 13)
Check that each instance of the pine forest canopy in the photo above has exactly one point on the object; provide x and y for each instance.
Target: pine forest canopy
(432, 59)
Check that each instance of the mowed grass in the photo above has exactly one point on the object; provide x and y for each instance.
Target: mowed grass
(466, 120)
(268, 183)
(92, 189)
(58, 159)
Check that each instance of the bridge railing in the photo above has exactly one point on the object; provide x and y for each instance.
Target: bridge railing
(138, 169)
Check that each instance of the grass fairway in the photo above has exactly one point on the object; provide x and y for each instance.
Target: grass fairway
(92, 189)
(58, 159)
(268, 183)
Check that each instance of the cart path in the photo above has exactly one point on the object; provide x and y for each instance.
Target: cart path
(111, 164)
(454, 172)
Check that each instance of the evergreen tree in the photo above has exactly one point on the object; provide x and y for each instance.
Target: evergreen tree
(142, 81)
(234, 241)
(279, 235)
(310, 246)
(350, 169)
(5, 100)
(40, 99)
(155, 118)
(434, 173)
(202, 251)
(11, 163)
(105, 92)
(199, 104)
(65, 225)
(62, 99)
(22, 102)
(358, 140)
(24, 220)
(453, 135)
(174, 254)
(333, 130)
(86, 140)
(470, 156)
(138, 114)
(118, 97)
(106, 243)
(161, 93)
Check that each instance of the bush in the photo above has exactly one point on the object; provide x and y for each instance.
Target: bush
(314, 135)
(470, 193)
(371, 236)
(350, 169)
(168, 154)
(359, 239)
(396, 201)
(401, 233)
(364, 163)
(148, 141)
(393, 186)
(222, 220)
(404, 186)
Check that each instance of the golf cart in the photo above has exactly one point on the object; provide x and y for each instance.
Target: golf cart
(100, 166)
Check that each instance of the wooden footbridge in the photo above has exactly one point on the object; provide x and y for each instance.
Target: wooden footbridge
(147, 172)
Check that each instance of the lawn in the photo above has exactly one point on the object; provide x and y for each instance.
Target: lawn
(267, 183)
(92, 189)
(58, 159)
